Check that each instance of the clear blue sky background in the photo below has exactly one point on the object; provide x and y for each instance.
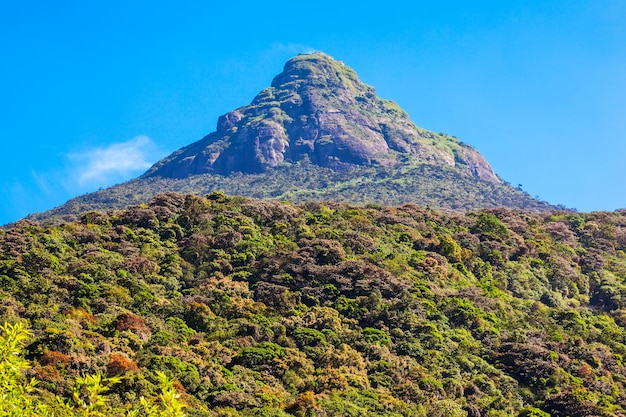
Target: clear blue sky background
(93, 93)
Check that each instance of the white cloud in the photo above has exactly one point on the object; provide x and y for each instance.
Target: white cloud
(80, 172)
(42, 182)
(290, 48)
(104, 166)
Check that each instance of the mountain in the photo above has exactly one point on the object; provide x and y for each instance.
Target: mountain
(319, 133)
(317, 109)
(254, 308)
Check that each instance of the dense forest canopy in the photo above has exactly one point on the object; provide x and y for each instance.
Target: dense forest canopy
(255, 308)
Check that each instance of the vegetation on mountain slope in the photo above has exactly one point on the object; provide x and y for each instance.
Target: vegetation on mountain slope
(426, 185)
(20, 398)
(260, 308)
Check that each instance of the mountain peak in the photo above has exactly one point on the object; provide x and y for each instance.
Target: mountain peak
(317, 69)
(318, 110)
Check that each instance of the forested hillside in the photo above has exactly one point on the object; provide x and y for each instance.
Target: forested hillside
(257, 308)
(435, 187)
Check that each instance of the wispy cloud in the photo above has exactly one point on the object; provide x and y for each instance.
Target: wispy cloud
(76, 173)
(290, 48)
(22, 198)
(105, 165)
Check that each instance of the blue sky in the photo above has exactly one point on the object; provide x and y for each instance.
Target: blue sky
(93, 93)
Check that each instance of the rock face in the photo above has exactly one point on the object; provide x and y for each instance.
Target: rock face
(318, 110)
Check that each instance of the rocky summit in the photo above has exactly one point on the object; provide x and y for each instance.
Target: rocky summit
(317, 109)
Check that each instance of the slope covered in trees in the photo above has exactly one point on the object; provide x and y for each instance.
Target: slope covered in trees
(259, 308)
(426, 185)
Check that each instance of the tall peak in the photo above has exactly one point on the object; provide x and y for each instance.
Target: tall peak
(317, 109)
(316, 68)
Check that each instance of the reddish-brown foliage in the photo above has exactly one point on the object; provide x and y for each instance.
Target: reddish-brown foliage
(128, 321)
(54, 358)
(120, 364)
